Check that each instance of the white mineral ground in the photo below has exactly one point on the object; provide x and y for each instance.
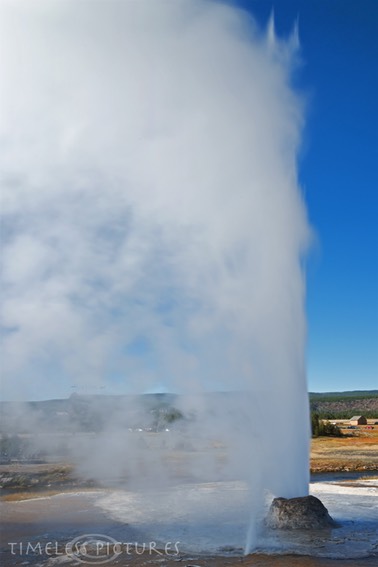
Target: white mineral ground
(208, 519)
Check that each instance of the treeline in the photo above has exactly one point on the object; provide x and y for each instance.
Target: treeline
(322, 428)
(14, 447)
(346, 414)
(343, 396)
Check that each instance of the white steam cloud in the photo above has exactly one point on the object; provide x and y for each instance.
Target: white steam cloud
(152, 223)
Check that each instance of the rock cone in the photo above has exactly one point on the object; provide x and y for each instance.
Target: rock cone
(305, 513)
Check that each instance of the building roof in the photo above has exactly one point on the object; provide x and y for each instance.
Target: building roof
(355, 417)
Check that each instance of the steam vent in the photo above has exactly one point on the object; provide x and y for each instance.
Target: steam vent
(304, 513)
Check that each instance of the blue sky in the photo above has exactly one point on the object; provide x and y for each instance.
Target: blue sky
(338, 172)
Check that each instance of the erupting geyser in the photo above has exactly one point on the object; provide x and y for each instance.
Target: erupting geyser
(153, 227)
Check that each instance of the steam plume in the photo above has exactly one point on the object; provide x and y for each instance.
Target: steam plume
(152, 223)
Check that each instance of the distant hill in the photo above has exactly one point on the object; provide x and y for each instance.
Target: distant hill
(86, 413)
(90, 413)
(355, 394)
(343, 405)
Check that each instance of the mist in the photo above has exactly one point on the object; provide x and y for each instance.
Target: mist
(153, 227)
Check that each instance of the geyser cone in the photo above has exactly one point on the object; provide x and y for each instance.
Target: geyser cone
(306, 512)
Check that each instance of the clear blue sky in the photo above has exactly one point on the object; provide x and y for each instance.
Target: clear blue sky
(338, 172)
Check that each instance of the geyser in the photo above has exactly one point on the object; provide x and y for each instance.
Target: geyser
(153, 226)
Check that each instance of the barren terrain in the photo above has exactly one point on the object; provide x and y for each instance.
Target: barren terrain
(357, 450)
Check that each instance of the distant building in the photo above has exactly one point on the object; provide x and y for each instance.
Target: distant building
(358, 420)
